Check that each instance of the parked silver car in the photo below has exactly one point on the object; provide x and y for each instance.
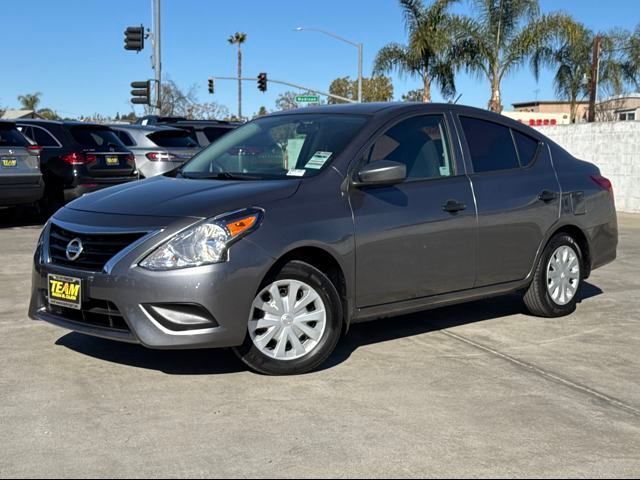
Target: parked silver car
(20, 177)
(158, 149)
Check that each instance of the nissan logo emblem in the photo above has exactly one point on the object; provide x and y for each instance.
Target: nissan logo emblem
(74, 249)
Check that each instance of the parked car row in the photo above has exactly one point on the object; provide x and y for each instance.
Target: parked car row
(50, 163)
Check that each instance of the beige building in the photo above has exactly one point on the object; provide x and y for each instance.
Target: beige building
(619, 108)
(556, 107)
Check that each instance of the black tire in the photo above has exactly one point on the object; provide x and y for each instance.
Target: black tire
(537, 298)
(303, 272)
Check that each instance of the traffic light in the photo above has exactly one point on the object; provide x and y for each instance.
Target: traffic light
(262, 82)
(141, 93)
(134, 38)
(211, 86)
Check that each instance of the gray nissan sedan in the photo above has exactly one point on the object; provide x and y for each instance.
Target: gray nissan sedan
(283, 233)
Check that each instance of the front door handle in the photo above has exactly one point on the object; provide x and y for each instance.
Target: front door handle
(548, 196)
(453, 206)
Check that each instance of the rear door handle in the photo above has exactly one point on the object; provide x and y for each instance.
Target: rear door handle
(548, 196)
(453, 206)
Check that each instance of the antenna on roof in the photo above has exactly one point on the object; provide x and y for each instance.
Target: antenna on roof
(457, 98)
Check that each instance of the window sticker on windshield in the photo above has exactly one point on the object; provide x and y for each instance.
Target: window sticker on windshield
(296, 173)
(318, 160)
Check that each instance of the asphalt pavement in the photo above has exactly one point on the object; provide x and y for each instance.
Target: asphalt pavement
(476, 390)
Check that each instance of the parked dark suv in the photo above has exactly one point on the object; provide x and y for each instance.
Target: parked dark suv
(78, 158)
(280, 235)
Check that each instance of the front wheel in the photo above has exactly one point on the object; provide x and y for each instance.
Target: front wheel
(294, 324)
(557, 279)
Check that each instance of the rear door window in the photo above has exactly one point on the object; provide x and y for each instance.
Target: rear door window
(527, 148)
(11, 137)
(490, 145)
(96, 138)
(173, 139)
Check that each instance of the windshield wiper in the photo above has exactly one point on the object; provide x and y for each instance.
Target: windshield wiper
(220, 176)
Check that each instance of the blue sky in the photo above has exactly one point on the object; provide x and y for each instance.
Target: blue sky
(72, 50)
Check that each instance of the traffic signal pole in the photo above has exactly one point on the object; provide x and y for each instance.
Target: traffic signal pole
(289, 84)
(157, 58)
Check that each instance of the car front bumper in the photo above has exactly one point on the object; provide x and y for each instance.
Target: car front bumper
(129, 298)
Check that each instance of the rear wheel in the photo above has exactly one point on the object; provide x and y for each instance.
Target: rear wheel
(294, 324)
(557, 280)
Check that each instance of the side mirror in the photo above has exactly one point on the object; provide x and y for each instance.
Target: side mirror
(382, 172)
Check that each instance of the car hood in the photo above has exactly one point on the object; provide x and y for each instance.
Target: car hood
(178, 197)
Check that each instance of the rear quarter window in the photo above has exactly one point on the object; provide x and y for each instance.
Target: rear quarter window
(11, 137)
(173, 139)
(96, 138)
(490, 145)
(213, 133)
(527, 148)
(125, 138)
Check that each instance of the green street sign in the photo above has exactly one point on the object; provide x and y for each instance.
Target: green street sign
(308, 99)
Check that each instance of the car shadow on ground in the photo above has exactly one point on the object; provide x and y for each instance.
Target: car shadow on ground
(223, 361)
(20, 217)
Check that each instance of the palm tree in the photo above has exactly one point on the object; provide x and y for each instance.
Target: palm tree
(238, 39)
(30, 101)
(573, 61)
(432, 31)
(504, 35)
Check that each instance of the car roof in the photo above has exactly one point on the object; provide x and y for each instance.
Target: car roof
(146, 128)
(64, 123)
(392, 108)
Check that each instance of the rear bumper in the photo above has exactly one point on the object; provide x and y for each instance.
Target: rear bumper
(603, 241)
(87, 185)
(20, 190)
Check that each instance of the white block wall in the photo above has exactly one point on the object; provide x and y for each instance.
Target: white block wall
(614, 147)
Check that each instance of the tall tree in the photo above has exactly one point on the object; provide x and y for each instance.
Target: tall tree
(375, 89)
(503, 35)
(631, 64)
(239, 38)
(432, 32)
(572, 62)
(30, 101)
(413, 96)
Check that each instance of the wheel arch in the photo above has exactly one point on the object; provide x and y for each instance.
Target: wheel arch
(324, 261)
(581, 239)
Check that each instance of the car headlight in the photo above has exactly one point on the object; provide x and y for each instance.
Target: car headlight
(205, 243)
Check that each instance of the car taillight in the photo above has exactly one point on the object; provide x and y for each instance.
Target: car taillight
(160, 156)
(77, 158)
(604, 183)
(131, 158)
(34, 149)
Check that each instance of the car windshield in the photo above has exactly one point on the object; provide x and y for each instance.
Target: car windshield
(282, 146)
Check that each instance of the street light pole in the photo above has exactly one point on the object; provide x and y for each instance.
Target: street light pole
(359, 46)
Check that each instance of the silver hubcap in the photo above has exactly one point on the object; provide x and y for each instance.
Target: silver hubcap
(563, 275)
(288, 320)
